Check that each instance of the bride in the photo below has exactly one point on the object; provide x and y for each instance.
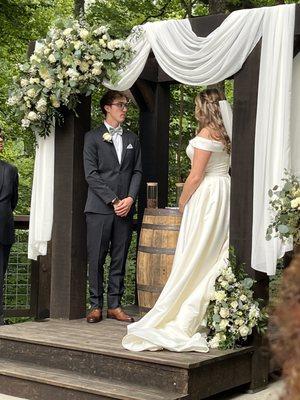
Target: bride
(176, 322)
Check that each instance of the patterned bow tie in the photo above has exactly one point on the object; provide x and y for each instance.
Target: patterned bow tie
(115, 131)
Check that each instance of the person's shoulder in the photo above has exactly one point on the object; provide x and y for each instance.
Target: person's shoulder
(131, 134)
(95, 132)
(207, 133)
(9, 166)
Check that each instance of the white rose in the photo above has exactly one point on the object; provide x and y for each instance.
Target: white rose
(239, 321)
(96, 71)
(49, 83)
(31, 93)
(223, 324)
(84, 66)
(59, 43)
(102, 43)
(32, 116)
(220, 295)
(104, 37)
(295, 202)
(214, 342)
(77, 45)
(254, 312)
(224, 312)
(34, 80)
(24, 82)
(72, 73)
(52, 58)
(67, 31)
(83, 33)
(97, 64)
(107, 137)
(111, 45)
(25, 123)
(243, 297)
(234, 304)
(244, 330)
(46, 51)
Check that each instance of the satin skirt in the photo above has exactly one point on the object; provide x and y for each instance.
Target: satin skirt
(176, 322)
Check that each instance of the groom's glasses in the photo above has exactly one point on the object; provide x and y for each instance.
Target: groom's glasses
(121, 105)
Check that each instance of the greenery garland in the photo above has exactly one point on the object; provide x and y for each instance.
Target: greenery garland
(73, 59)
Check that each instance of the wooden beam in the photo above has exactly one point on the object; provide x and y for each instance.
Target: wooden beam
(154, 137)
(68, 275)
(241, 202)
(297, 20)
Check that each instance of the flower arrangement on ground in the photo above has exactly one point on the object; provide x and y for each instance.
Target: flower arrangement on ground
(233, 313)
(73, 59)
(285, 208)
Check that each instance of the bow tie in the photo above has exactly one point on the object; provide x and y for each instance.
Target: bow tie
(115, 131)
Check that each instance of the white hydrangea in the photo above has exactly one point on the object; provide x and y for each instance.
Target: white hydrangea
(12, 100)
(214, 342)
(25, 123)
(41, 105)
(32, 116)
(220, 295)
(72, 73)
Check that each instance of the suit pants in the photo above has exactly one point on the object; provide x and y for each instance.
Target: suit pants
(4, 255)
(107, 232)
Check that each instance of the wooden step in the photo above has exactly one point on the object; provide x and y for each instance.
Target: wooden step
(36, 383)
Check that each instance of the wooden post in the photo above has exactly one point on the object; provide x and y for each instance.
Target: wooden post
(241, 207)
(154, 138)
(68, 275)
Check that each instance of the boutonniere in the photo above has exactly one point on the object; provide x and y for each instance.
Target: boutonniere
(107, 137)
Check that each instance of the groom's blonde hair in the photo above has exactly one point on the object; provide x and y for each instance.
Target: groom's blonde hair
(208, 115)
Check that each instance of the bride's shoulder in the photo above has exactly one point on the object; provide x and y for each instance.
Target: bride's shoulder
(204, 133)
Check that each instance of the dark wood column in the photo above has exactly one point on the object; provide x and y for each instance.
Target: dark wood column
(68, 274)
(241, 207)
(154, 102)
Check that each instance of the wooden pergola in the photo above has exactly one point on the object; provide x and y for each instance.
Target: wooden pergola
(65, 357)
(152, 94)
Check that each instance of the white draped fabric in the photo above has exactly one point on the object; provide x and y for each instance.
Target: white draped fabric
(41, 210)
(207, 60)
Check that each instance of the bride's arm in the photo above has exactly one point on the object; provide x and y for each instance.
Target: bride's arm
(200, 160)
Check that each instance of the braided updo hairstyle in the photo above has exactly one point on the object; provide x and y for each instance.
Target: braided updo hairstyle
(208, 114)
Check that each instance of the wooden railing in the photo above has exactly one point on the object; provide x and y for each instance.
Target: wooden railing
(39, 283)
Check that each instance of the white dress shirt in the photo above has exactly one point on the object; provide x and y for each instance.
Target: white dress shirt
(117, 141)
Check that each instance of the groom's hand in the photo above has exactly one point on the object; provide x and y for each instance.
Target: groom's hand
(123, 207)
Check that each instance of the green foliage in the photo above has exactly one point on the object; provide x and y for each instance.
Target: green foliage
(285, 207)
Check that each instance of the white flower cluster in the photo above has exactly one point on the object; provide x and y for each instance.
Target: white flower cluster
(232, 312)
(72, 60)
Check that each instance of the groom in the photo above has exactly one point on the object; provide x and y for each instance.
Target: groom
(113, 170)
(8, 202)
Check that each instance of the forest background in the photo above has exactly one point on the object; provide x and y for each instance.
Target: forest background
(22, 21)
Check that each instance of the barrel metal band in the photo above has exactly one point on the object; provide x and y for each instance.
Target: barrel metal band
(156, 250)
(160, 227)
(149, 288)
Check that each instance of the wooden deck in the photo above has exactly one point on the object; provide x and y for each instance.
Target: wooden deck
(58, 359)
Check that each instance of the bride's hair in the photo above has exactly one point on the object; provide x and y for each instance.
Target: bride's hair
(208, 115)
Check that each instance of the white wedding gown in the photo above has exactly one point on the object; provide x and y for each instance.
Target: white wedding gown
(176, 322)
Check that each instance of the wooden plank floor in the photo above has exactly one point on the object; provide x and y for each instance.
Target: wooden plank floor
(105, 338)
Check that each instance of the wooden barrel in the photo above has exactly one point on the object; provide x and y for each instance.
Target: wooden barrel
(158, 239)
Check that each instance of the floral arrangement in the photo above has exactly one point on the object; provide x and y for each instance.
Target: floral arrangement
(285, 207)
(73, 59)
(232, 312)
